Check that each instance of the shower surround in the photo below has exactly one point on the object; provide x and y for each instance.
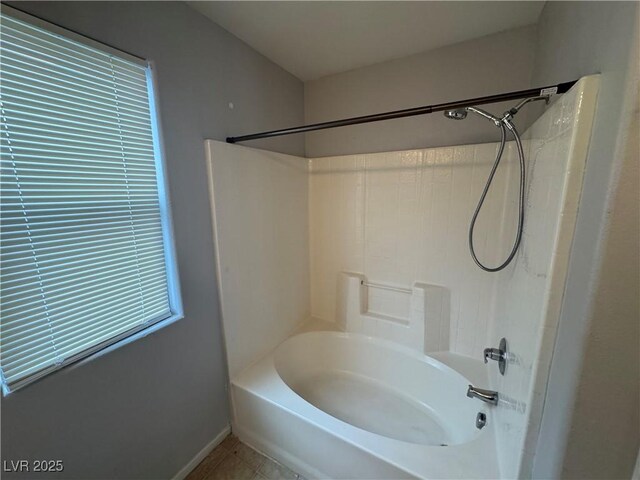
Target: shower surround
(394, 221)
(402, 217)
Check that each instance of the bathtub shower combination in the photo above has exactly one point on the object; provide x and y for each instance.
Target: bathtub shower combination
(360, 331)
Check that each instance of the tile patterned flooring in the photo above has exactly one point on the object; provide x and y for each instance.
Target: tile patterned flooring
(233, 460)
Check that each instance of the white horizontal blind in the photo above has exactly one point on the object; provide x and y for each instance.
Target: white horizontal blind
(82, 249)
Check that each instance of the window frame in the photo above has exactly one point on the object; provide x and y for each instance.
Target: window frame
(166, 219)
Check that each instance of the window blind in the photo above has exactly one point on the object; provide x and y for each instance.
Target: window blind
(82, 232)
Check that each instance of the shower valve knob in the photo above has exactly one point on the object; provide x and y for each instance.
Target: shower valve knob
(493, 354)
(497, 354)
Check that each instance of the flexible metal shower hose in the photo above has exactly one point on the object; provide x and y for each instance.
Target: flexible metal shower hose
(516, 243)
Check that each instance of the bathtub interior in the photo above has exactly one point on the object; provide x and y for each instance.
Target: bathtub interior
(373, 406)
(380, 387)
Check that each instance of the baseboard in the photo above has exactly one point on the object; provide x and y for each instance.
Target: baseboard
(193, 463)
(273, 451)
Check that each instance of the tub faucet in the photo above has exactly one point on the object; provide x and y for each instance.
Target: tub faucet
(487, 396)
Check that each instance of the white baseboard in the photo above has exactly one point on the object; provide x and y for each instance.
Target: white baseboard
(274, 452)
(193, 463)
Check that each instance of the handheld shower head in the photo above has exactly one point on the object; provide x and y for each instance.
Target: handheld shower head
(459, 114)
(485, 114)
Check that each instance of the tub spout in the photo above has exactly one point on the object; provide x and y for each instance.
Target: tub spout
(487, 396)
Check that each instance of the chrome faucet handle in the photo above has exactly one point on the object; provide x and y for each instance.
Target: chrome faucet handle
(498, 354)
(493, 354)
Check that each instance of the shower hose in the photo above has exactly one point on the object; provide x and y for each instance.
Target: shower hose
(504, 125)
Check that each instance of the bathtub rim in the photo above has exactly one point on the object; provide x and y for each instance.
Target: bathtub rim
(428, 358)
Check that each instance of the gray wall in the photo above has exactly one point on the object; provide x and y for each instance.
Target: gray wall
(595, 372)
(144, 410)
(493, 64)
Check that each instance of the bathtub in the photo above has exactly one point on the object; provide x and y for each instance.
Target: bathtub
(344, 405)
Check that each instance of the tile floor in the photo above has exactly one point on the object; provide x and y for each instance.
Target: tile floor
(233, 460)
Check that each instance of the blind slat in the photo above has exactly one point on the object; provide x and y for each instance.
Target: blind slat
(35, 46)
(30, 290)
(65, 94)
(39, 114)
(30, 63)
(84, 134)
(33, 297)
(18, 338)
(38, 123)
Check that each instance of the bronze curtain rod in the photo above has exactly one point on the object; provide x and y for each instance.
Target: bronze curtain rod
(409, 112)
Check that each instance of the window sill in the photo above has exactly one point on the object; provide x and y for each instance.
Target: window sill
(88, 357)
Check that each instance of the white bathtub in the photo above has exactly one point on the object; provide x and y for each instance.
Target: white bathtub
(341, 405)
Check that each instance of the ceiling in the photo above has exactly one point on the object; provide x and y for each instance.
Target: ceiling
(312, 39)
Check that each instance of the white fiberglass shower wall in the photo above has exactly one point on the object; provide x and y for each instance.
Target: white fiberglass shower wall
(399, 221)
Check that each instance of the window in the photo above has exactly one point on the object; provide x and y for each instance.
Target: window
(85, 251)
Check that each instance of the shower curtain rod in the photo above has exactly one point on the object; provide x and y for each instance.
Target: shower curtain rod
(409, 112)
